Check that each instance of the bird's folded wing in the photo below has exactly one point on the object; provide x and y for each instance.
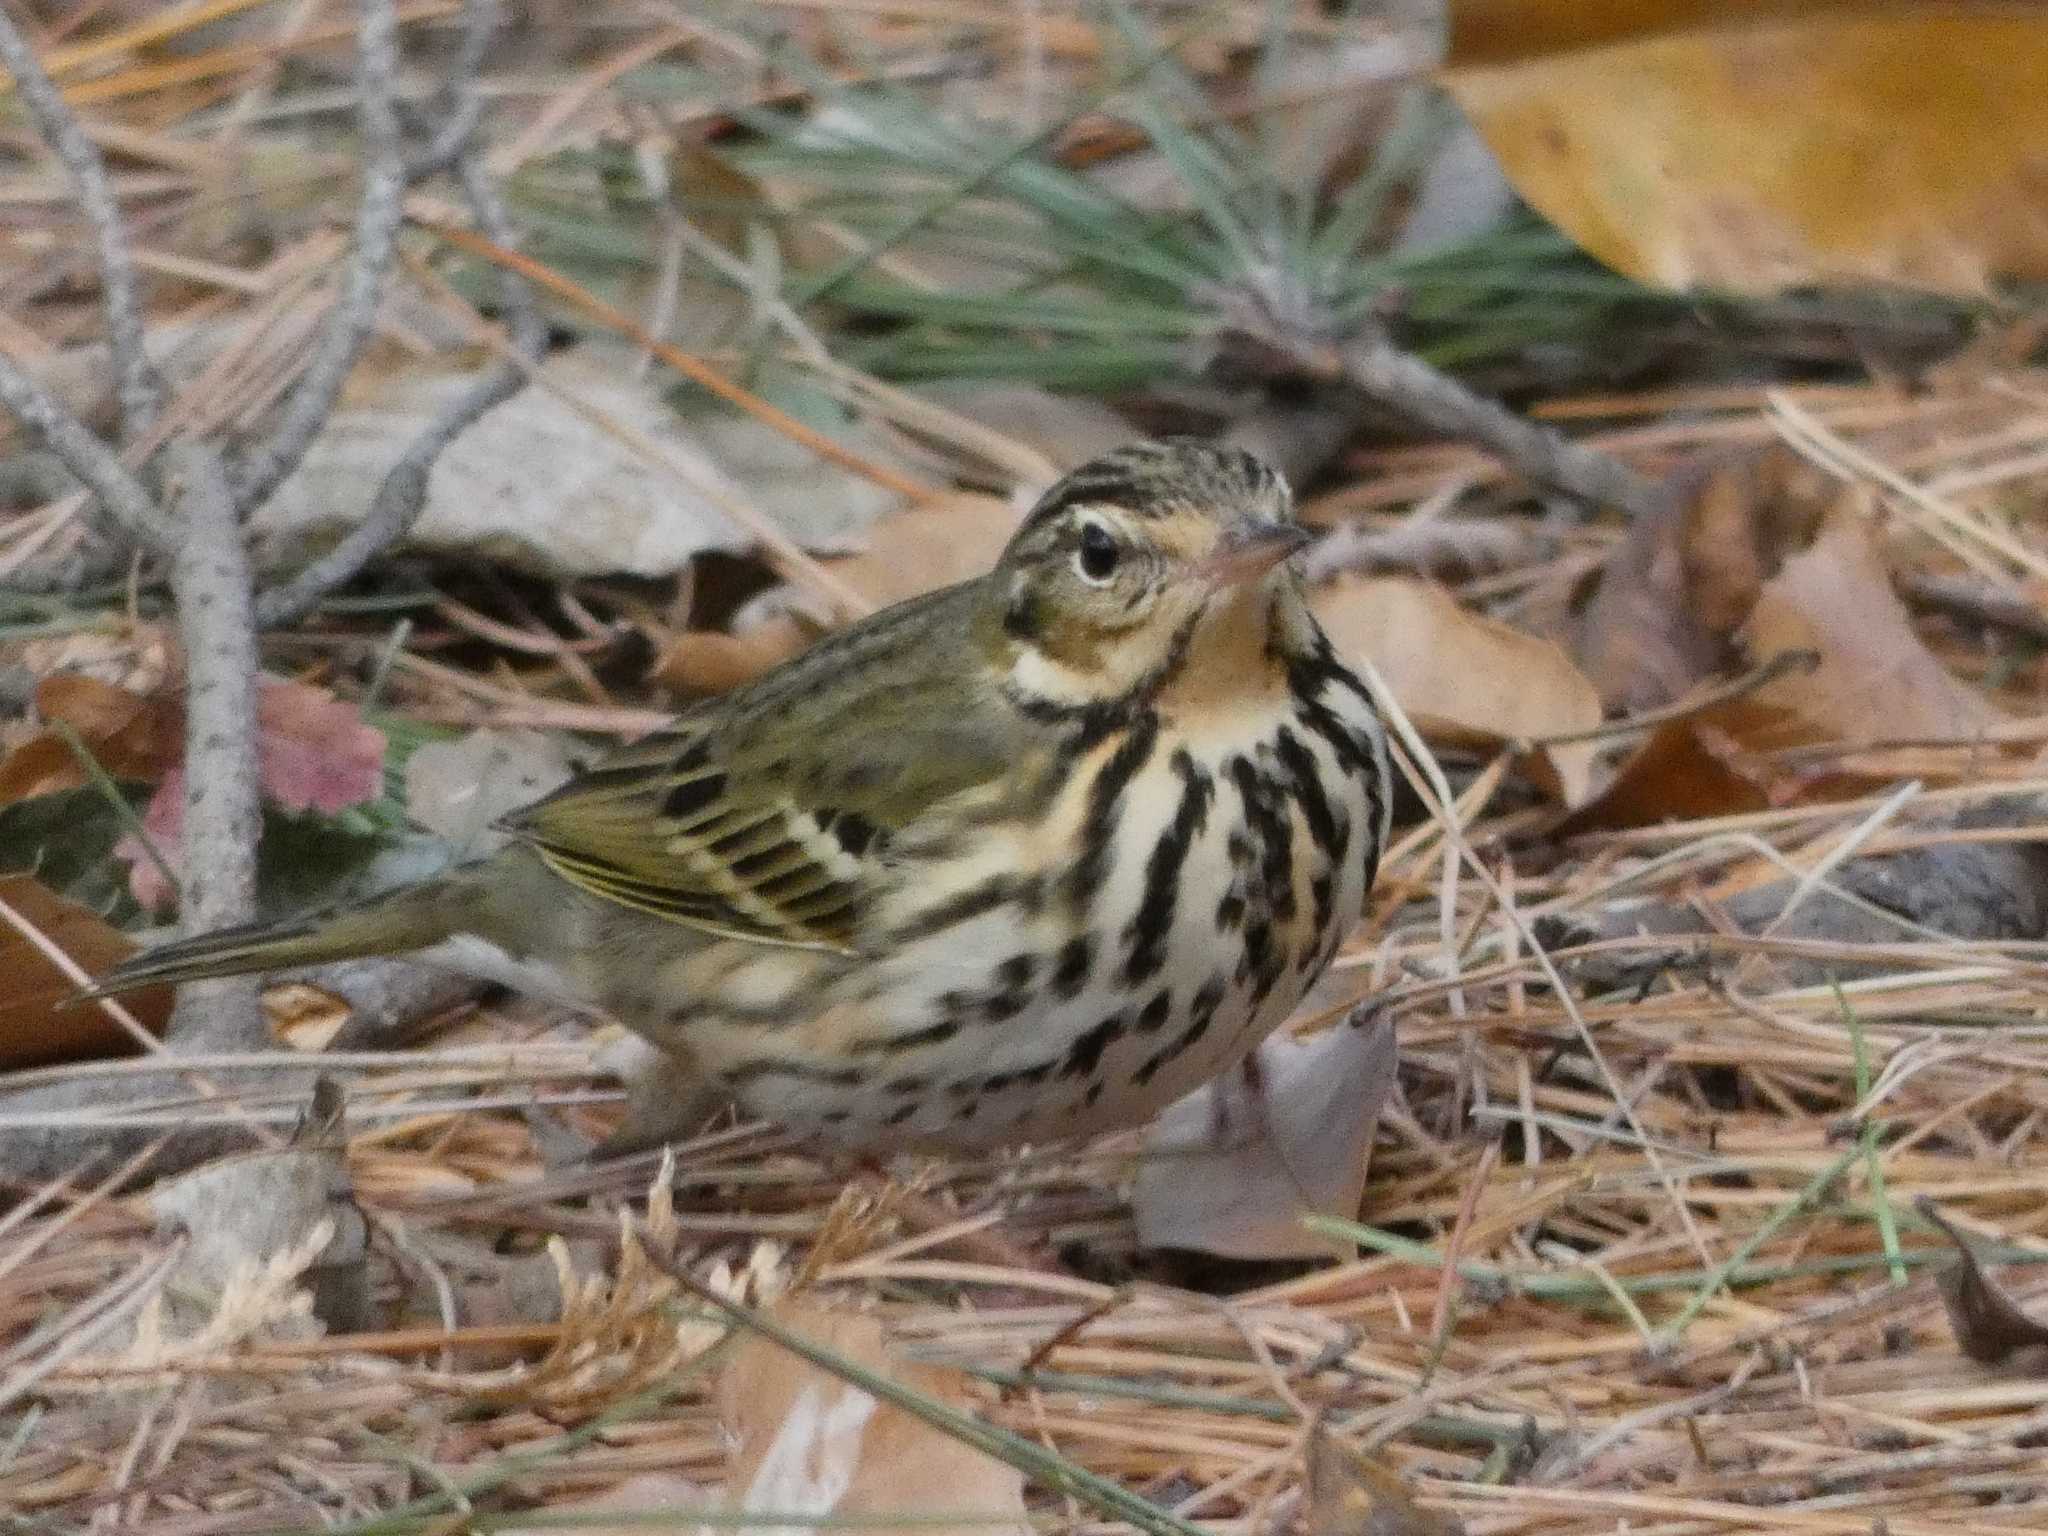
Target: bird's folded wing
(668, 827)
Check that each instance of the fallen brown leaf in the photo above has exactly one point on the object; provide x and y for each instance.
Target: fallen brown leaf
(1464, 679)
(1876, 681)
(808, 1443)
(1760, 144)
(1675, 591)
(1758, 559)
(1708, 764)
(701, 662)
(1988, 1325)
(1351, 1494)
(132, 736)
(943, 539)
(36, 1025)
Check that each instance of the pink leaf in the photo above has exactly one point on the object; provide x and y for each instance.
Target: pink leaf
(313, 752)
(164, 822)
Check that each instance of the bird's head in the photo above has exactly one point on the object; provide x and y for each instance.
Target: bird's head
(1113, 578)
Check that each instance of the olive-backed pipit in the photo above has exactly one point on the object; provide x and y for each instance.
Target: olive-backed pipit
(1024, 858)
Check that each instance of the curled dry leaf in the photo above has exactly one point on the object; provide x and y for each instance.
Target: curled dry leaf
(1712, 763)
(1876, 681)
(1988, 1325)
(1224, 1175)
(1351, 1494)
(1675, 591)
(943, 539)
(807, 1443)
(1465, 679)
(1760, 558)
(130, 735)
(37, 1023)
(1761, 144)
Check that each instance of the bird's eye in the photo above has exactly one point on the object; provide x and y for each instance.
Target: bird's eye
(1098, 555)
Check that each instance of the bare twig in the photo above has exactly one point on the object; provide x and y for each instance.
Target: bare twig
(260, 471)
(1378, 368)
(458, 104)
(388, 1000)
(216, 622)
(100, 469)
(1374, 366)
(403, 493)
(136, 384)
(1449, 548)
(1975, 601)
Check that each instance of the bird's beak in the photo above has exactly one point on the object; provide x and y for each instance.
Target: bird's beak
(1249, 552)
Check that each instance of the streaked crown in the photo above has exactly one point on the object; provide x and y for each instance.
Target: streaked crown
(1176, 476)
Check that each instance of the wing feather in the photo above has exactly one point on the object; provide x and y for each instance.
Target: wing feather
(668, 828)
(770, 813)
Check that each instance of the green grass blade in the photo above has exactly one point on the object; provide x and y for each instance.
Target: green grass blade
(1871, 1140)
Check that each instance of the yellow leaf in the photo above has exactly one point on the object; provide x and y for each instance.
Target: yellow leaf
(1761, 145)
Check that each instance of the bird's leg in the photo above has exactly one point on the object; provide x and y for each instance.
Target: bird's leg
(665, 1101)
(1251, 1083)
(1252, 1078)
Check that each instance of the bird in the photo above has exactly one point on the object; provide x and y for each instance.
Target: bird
(1020, 860)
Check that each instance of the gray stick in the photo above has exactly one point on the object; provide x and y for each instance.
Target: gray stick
(403, 493)
(136, 385)
(460, 102)
(260, 471)
(1405, 382)
(121, 495)
(217, 624)
(387, 999)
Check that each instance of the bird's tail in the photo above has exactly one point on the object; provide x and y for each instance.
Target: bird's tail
(409, 918)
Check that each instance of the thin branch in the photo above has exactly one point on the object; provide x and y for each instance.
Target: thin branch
(1380, 370)
(216, 623)
(1975, 601)
(403, 493)
(459, 103)
(387, 1000)
(260, 471)
(96, 465)
(136, 385)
